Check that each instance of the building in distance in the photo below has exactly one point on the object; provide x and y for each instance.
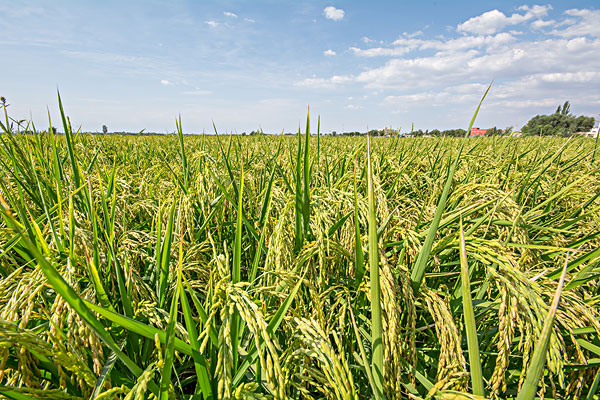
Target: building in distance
(477, 132)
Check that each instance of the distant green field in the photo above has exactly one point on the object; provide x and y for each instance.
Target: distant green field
(282, 267)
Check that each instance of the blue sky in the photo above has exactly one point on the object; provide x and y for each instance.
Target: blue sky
(136, 65)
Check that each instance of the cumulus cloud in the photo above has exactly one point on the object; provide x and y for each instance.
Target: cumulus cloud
(464, 60)
(212, 24)
(334, 14)
(512, 59)
(165, 82)
(230, 14)
(456, 93)
(379, 51)
(583, 23)
(315, 83)
(486, 23)
(493, 21)
(329, 52)
(454, 70)
(565, 77)
(405, 45)
(539, 24)
(412, 35)
(535, 11)
(334, 81)
(249, 20)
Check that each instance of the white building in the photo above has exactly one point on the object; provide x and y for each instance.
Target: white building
(593, 133)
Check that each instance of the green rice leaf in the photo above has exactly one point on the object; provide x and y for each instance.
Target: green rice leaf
(538, 360)
(470, 323)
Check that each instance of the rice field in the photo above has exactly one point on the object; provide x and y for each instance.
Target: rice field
(308, 267)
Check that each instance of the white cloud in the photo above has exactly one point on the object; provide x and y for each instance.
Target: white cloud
(535, 11)
(539, 24)
(577, 44)
(230, 14)
(212, 24)
(334, 14)
(412, 35)
(585, 23)
(472, 58)
(249, 20)
(334, 81)
(165, 82)
(533, 73)
(379, 51)
(315, 83)
(581, 77)
(486, 23)
(329, 52)
(406, 45)
(492, 21)
(338, 79)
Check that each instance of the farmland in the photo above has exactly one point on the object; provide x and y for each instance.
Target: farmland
(301, 267)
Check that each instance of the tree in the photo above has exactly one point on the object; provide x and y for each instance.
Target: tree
(561, 123)
(566, 109)
(493, 131)
(104, 129)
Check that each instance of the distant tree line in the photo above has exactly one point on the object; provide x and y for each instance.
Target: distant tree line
(419, 132)
(561, 123)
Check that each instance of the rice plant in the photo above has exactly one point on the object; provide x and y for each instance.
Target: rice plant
(270, 267)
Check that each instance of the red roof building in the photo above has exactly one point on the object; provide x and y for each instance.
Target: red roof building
(478, 132)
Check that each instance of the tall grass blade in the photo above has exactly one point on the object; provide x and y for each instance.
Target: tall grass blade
(298, 229)
(592, 392)
(595, 147)
(184, 164)
(271, 330)
(306, 175)
(363, 355)
(236, 273)
(70, 145)
(418, 270)
(538, 360)
(165, 381)
(13, 394)
(359, 258)
(234, 202)
(138, 327)
(78, 304)
(105, 373)
(470, 323)
(318, 141)
(163, 273)
(237, 250)
(202, 374)
(376, 316)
